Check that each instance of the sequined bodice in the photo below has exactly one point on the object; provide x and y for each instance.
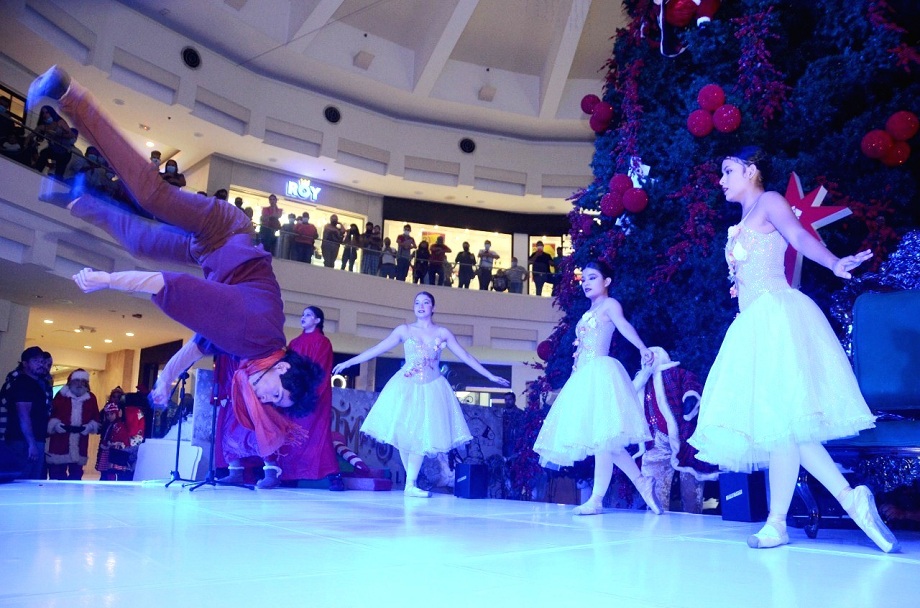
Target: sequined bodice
(593, 335)
(422, 359)
(758, 263)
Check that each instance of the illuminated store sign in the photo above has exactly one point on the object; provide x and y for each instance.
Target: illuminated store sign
(302, 189)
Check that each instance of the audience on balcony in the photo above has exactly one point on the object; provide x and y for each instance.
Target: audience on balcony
(422, 261)
(333, 235)
(171, 174)
(404, 246)
(486, 259)
(466, 263)
(373, 244)
(436, 272)
(351, 240)
(305, 235)
(388, 260)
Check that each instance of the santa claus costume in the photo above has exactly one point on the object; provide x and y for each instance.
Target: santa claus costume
(74, 415)
(670, 396)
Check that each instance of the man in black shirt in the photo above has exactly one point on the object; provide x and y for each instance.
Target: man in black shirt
(28, 408)
(540, 263)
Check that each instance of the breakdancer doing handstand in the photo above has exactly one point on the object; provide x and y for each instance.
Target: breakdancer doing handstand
(236, 309)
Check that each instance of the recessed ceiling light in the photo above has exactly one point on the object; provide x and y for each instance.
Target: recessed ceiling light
(272, 159)
(197, 134)
(118, 102)
(144, 127)
(77, 330)
(87, 347)
(47, 321)
(107, 341)
(149, 144)
(130, 334)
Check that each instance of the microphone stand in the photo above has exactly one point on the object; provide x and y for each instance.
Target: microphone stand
(181, 386)
(211, 478)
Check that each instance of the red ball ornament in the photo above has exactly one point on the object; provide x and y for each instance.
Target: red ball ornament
(699, 123)
(545, 350)
(612, 204)
(597, 125)
(635, 200)
(620, 183)
(876, 143)
(711, 97)
(902, 125)
(680, 13)
(727, 118)
(603, 111)
(588, 102)
(897, 155)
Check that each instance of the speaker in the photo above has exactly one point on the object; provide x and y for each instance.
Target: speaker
(191, 58)
(471, 481)
(743, 496)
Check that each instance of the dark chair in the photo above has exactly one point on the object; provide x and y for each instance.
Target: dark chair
(886, 349)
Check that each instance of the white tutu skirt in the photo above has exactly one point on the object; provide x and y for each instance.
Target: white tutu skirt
(417, 418)
(781, 378)
(597, 410)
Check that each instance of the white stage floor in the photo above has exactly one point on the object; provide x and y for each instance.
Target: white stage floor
(99, 545)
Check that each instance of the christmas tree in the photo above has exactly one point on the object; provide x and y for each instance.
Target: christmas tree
(812, 83)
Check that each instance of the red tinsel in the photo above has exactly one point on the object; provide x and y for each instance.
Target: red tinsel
(879, 12)
(697, 230)
(761, 83)
(881, 238)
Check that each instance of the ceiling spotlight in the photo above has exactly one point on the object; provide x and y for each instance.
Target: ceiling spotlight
(87, 347)
(130, 334)
(144, 127)
(487, 93)
(47, 321)
(150, 144)
(107, 341)
(77, 330)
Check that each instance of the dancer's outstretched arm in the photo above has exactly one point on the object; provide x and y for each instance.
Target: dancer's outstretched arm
(184, 358)
(396, 337)
(469, 359)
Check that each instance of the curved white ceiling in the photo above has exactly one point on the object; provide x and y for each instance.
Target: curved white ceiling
(434, 61)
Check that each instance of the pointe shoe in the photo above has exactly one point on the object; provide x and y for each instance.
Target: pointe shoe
(416, 492)
(646, 487)
(592, 506)
(53, 84)
(769, 536)
(272, 478)
(862, 510)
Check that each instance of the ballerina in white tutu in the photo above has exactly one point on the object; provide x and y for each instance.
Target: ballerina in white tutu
(417, 411)
(781, 383)
(597, 411)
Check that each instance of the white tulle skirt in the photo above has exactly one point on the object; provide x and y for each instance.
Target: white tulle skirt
(417, 418)
(781, 378)
(597, 410)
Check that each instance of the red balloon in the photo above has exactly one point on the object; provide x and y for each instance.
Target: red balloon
(902, 125)
(727, 118)
(620, 183)
(612, 204)
(700, 123)
(635, 200)
(897, 155)
(876, 143)
(545, 350)
(711, 97)
(588, 102)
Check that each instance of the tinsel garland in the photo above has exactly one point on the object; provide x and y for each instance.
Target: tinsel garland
(901, 271)
(761, 83)
(697, 232)
(878, 12)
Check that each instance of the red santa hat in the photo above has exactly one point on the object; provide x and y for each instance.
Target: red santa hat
(78, 374)
(111, 406)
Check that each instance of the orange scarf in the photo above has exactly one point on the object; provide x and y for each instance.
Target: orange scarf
(272, 429)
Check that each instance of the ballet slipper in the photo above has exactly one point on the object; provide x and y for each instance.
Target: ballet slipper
(52, 84)
(416, 492)
(593, 506)
(773, 534)
(859, 504)
(646, 487)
